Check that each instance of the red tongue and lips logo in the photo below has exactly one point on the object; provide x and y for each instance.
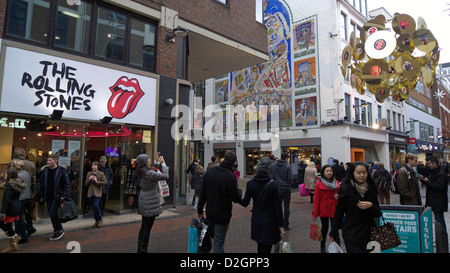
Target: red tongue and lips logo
(126, 94)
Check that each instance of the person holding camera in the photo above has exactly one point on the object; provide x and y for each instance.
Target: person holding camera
(149, 197)
(95, 180)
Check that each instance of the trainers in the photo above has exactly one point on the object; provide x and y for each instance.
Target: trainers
(57, 235)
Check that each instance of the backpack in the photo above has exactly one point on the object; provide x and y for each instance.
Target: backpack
(394, 187)
(383, 179)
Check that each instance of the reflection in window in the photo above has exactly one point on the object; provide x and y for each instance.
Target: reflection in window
(110, 38)
(72, 26)
(142, 44)
(29, 19)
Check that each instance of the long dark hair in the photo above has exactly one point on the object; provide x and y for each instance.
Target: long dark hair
(322, 172)
(141, 170)
(351, 175)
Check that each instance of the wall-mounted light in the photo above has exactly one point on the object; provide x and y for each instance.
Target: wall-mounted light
(362, 105)
(106, 120)
(177, 32)
(56, 114)
(169, 101)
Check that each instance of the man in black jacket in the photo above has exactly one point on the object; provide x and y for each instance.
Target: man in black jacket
(436, 195)
(281, 172)
(339, 171)
(55, 187)
(219, 190)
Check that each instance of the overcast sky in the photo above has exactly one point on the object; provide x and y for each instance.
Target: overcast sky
(432, 11)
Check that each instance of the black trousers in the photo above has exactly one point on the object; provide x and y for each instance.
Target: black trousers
(325, 221)
(146, 227)
(264, 248)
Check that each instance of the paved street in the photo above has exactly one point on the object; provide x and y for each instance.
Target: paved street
(170, 232)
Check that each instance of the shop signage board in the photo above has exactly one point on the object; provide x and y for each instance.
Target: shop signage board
(35, 83)
(413, 226)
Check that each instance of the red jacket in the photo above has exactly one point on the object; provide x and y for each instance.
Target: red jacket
(324, 201)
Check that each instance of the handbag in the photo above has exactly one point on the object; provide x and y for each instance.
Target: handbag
(68, 210)
(303, 190)
(385, 235)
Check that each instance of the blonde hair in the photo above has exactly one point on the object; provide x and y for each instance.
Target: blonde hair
(381, 164)
(312, 164)
(17, 164)
(409, 157)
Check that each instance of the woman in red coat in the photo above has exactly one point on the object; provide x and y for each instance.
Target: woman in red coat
(325, 201)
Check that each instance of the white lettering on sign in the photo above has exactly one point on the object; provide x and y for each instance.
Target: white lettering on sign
(18, 123)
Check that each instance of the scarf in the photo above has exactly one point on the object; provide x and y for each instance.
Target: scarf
(361, 187)
(330, 185)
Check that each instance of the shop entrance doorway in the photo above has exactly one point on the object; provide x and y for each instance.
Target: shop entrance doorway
(78, 144)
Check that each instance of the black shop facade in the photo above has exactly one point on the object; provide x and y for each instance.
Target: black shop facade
(80, 109)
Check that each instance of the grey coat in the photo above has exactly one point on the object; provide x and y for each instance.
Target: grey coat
(149, 198)
(27, 193)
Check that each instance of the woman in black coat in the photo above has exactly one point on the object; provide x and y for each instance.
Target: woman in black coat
(358, 202)
(267, 218)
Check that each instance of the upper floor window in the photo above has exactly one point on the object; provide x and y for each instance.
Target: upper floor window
(259, 10)
(344, 25)
(90, 29)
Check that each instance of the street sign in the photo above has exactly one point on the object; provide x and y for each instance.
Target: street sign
(414, 227)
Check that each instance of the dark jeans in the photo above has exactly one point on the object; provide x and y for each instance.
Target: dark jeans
(25, 223)
(95, 205)
(439, 217)
(53, 206)
(220, 232)
(146, 227)
(285, 195)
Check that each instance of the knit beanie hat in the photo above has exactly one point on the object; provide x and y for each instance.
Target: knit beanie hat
(264, 165)
(142, 159)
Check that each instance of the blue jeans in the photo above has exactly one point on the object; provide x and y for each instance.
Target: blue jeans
(53, 206)
(25, 222)
(95, 205)
(219, 231)
(285, 196)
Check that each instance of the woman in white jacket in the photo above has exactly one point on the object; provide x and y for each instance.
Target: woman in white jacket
(310, 179)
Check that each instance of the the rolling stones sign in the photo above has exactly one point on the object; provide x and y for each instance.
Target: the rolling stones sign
(35, 83)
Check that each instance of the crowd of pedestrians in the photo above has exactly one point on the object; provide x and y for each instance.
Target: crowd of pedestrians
(25, 187)
(344, 198)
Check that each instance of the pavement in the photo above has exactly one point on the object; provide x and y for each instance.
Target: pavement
(170, 232)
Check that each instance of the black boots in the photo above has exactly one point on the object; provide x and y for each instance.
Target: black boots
(142, 247)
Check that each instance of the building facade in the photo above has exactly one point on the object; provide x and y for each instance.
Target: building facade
(321, 117)
(90, 78)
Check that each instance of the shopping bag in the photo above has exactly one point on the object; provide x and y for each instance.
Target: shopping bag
(303, 190)
(385, 235)
(204, 242)
(164, 187)
(284, 247)
(315, 232)
(334, 248)
(35, 213)
(192, 240)
(68, 211)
